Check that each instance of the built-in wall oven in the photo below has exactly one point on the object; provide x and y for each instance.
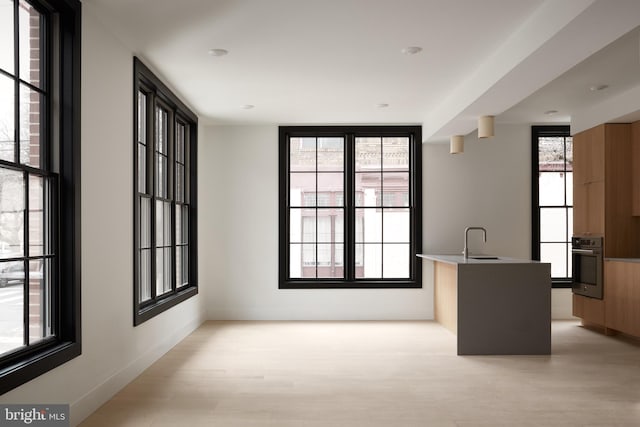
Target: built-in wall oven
(586, 254)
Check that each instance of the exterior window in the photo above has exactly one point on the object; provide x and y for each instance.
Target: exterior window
(350, 206)
(165, 192)
(552, 200)
(39, 218)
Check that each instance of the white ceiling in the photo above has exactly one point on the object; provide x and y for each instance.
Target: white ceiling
(333, 61)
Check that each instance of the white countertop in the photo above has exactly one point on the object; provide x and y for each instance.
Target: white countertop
(459, 259)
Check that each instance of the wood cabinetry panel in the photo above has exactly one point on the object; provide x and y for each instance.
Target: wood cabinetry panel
(590, 310)
(622, 281)
(446, 295)
(635, 166)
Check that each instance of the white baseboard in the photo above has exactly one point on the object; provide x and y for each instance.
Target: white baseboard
(91, 401)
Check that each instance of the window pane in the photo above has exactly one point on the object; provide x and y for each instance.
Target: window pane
(368, 154)
(556, 254)
(167, 270)
(160, 271)
(145, 222)
(142, 168)
(185, 265)
(367, 188)
(159, 223)
(371, 225)
(7, 117)
(551, 156)
(569, 184)
(142, 117)
(339, 257)
(295, 261)
(31, 109)
(330, 154)
(180, 131)
(38, 302)
(371, 261)
(185, 224)
(6, 34)
(295, 225)
(570, 222)
(167, 223)
(301, 184)
(323, 254)
(553, 225)
(12, 197)
(396, 260)
(396, 226)
(330, 225)
(30, 52)
(330, 183)
(179, 183)
(302, 154)
(339, 226)
(395, 189)
(327, 265)
(12, 306)
(551, 188)
(309, 229)
(179, 225)
(145, 275)
(36, 216)
(569, 144)
(395, 153)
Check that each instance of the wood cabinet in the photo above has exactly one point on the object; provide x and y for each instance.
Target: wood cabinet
(622, 304)
(590, 310)
(602, 187)
(635, 165)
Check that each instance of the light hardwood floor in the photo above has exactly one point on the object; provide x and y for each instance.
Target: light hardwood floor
(377, 374)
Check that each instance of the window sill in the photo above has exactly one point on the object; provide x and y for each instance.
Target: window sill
(39, 362)
(162, 305)
(364, 284)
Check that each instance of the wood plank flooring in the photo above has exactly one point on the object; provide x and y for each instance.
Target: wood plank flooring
(395, 374)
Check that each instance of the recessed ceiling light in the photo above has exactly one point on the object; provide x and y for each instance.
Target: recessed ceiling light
(597, 88)
(382, 105)
(218, 52)
(411, 50)
(247, 106)
(550, 112)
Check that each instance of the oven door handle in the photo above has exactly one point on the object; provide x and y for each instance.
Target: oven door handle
(583, 251)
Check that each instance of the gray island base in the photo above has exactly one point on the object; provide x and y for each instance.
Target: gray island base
(494, 306)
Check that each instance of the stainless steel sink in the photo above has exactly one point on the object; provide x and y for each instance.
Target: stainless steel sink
(484, 257)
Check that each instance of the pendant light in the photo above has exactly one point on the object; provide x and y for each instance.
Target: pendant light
(456, 144)
(485, 126)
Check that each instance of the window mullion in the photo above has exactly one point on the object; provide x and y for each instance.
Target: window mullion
(152, 188)
(349, 203)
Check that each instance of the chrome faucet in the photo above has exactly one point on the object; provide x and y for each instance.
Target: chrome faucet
(465, 252)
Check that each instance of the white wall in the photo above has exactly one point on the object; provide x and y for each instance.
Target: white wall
(113, 351)
(239, 169)
(488, 185)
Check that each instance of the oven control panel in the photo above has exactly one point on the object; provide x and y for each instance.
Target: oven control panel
(586, 242)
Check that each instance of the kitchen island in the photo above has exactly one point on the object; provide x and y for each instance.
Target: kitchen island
(494, 305)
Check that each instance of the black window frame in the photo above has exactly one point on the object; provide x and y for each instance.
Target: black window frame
(62, 36)
(536, 133)
(350, 133)
(159, 94)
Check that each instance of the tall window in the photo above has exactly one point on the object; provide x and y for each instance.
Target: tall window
(552, 200)
(39, 188)
(350, 204)
(165, 197)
